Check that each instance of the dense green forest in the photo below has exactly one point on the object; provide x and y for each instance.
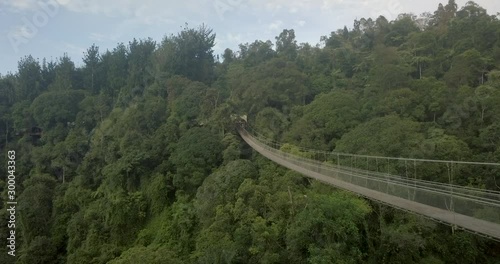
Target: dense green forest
(139, 162)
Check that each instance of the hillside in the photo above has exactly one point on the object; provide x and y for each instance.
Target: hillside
(138, 160)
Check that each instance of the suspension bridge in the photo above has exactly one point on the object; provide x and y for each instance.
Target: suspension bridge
(395, 182)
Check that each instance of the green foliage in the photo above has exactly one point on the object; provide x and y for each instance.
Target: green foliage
(115, 65)
(431, 95)
(157, 193)
(225, 250)
(286, 45)
(35, 207)
(389, 70)
(232, 148)
(139, 62)
(197, 153)
(64, 78)
(468, 69)
(147, 255)
(325, 120)
(275, 83)
(327, 230)
(256, 53)
(271, 122)
(29, 86)
(401, 29)
(189, 54)
(220, 188)
(52, 108)
(386, 136)
(92, 76)
(289, 148)
(139, 159)
(40, 250)
(188, 104)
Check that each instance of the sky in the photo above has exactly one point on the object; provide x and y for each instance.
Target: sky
(50, 28)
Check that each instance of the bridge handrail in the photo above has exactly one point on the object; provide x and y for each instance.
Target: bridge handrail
(451, 204)
(451, 189)
(262, 138)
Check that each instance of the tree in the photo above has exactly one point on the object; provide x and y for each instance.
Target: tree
(470, 10)
(48, 73)
(190, 54)
(432, 95)
(139, 158)
(487, 99)
(402, 102)
(276, 83)
(286, 45)
(56, 107)
(41, 250)
(196, 154)
(451, 7)
(65, 74)
(29, 76)
(92, 60)
(438, 145)
(228, 57)
(139, 62)
(389, 70)
(115, 65)
(220, 188)
(489, 137)
(467, 69)
(325, 120)
(153, 255)
(35, 207)
(444, 15)
(187, 99)
(387, 136)
(401, 29)
(422, 47)
(7, 97)
(326, 230)
(271, 123)
(257, 52)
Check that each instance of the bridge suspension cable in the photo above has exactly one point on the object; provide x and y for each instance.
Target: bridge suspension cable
(262, 138)
(470, 208)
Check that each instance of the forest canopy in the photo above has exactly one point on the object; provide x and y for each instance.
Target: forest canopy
(138, 159)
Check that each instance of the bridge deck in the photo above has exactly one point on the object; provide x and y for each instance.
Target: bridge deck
(470, 223)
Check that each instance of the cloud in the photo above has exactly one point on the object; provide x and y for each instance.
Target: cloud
(98, 37)
(19, 5)
(234, 38)
(298, 5)
(22, 32)
(229, 39)
(75, 52)
(23, 6)
(144, 10)
(275, 25)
